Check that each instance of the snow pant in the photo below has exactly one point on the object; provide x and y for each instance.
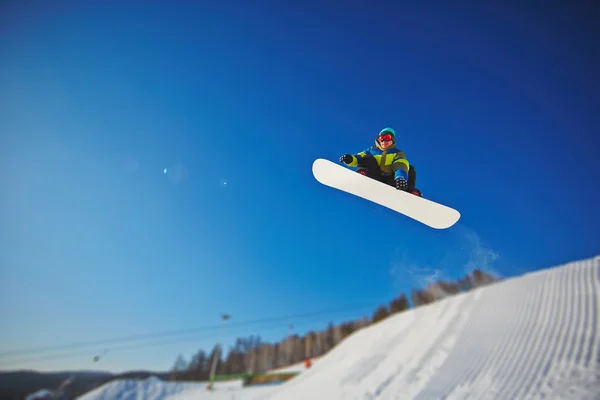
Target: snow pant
(412, 179)
(368, 166)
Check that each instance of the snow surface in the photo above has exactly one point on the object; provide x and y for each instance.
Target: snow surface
(535, 336)
(152, 389)
(43, 394)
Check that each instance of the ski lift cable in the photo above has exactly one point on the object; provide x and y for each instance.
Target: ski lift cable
(146, 336)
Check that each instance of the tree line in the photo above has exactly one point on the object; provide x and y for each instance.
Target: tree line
(251, 355)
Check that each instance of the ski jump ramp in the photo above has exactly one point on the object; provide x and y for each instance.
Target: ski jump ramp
(535, 336)
(530, 337)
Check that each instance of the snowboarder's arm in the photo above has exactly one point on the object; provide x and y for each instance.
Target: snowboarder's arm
(400, 166)
(358, 156)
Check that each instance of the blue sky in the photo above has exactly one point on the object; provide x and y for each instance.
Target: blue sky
(495, 106)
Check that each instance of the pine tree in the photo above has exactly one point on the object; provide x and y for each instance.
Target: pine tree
(399, 304)
(481, 278)
(199, 365)
(465, 284)
(179, 368)
(380, 314)
(330, 337)
(347, 329)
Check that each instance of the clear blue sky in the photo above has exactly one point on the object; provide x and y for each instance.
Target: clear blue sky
(496, 107)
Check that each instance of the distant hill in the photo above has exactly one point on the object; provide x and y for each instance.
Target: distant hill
(17, 384)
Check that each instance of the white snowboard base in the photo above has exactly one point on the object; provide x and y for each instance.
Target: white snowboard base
(428, 212)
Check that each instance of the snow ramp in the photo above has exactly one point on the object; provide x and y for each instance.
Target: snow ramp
(534, 336)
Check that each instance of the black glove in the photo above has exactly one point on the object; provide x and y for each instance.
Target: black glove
(401, 184)
(346, 158)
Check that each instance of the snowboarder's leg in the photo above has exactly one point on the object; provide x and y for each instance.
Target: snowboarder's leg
(368, 166)
(412, 182)
(412, 178)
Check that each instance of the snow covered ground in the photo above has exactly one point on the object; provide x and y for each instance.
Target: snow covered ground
(535, 336)
(150, 389)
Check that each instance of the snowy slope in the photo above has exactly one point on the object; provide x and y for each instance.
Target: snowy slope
(150, 389)
(536, 336)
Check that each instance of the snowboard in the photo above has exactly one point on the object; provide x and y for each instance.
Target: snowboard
(428, 212)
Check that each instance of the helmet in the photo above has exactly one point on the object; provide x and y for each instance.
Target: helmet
(388, 130)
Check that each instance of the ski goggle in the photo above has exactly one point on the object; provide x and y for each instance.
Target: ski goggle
(386, 137)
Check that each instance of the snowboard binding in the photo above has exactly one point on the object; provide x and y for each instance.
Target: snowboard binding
(412, 179)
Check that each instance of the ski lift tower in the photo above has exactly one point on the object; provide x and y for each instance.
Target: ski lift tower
(217, 355)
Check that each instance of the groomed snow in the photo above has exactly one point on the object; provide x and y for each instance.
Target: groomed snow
(130, 389)
(535, 336)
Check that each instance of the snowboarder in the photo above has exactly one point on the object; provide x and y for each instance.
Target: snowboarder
(395, 170)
